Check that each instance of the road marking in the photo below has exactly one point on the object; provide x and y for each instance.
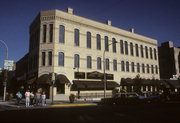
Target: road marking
(67, 105)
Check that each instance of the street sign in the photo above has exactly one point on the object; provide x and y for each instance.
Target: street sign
(8, 64)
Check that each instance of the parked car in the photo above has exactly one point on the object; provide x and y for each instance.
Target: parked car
(149, 97)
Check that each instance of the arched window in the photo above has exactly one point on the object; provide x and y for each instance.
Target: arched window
(152, 69)
(122, 66)
(137, 50)
(142, 52)
(122, 46)
(88, 40)
(114, 45)
(156, 69)
(89, 62)
(126, 47)
(76, 61)
(132, 67)
(138, 67)
(106, 43)
(76, 37)
(44, 33)
(43, 58)
(147, 68)
(155, 56)
(131, 49)
(61, 59)
(151, 54)
(50, 58)
(115, 65)
(107, 64)
(143, 68)
(127, 66)
(61, 34)
(98, 41)
(146, 49)
(50, 32)
(99, 63)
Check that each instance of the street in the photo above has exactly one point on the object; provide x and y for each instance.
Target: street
(131, 113)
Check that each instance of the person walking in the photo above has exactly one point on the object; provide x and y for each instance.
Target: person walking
(43, 97)
(27, 95)
(19, 97)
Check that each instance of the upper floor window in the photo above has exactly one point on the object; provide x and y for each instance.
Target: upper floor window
(50, 32)
(142, 51)
(126, 47)
(138, 67)
(114, 45)
(131, 49)
(122, 46)
(89, 62)
(143, 68)
(88, 40)
(132, 67)
(76, 61)
(107, 63)
(155, 56)
(50, 58)
(122, 66)
(98, 41)
(76, 37)
(44, 33)
(106, 43)
(156, 69)
(115, 65)
(99, 63)
(61, 34)
(146, 50)
(137, 50)
(61, 59)
(152, 69)
(127, 66)
(147, 68)
(43, 58)
(151, 56)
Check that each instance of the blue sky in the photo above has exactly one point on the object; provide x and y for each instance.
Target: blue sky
(158, 19)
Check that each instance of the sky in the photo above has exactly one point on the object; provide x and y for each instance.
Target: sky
(157, 19)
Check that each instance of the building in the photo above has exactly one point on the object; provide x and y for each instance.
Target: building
(60, 41)
(169, 60)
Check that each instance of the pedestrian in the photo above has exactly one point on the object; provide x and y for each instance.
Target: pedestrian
(27, 95)
(38, 97)
(31, 99)
(43, 97)
(19, 97)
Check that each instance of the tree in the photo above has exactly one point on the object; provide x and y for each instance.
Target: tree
(137, 84)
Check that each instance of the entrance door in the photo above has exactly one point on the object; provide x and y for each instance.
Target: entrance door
(61, 89)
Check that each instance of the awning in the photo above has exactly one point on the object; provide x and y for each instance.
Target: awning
(93, 85)
(31, 81)
(62, 79)
(173, 83)
(164, 83)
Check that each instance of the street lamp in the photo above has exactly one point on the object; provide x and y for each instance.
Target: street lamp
(104, 69)
(4, 96)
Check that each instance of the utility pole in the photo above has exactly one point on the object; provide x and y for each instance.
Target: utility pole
(52, 79)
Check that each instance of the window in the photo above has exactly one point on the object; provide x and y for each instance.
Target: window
(76, 37)
(61, 34)
(155, 56)
(138, 67)
(50, 58)
(137, 50)
(107, 64)
(122, 66)
(127, 66)
(44, 33)
(106, 43)
(88, 40)
(143, 68)
(142, 52)
(61, 59)
(115, 65)
(147, 68)
(98, 63)
(76, 61)
(151, 56)
(132, 67)
(126, 47)
(122, 46)
(131, 49)
(146, 49)
(51, 33)
(152, 69)
(43, 58)
(156, 69)
(98, 41)
(89, 60)
(114, 45)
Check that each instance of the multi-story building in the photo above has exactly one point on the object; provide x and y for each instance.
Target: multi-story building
(61, 41)
(169, 60)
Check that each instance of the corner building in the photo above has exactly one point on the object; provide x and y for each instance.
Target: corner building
(61, 41)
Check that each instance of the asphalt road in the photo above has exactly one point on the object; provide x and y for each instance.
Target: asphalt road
(134, 113)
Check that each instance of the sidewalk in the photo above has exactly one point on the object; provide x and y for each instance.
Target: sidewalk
(11, 105)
